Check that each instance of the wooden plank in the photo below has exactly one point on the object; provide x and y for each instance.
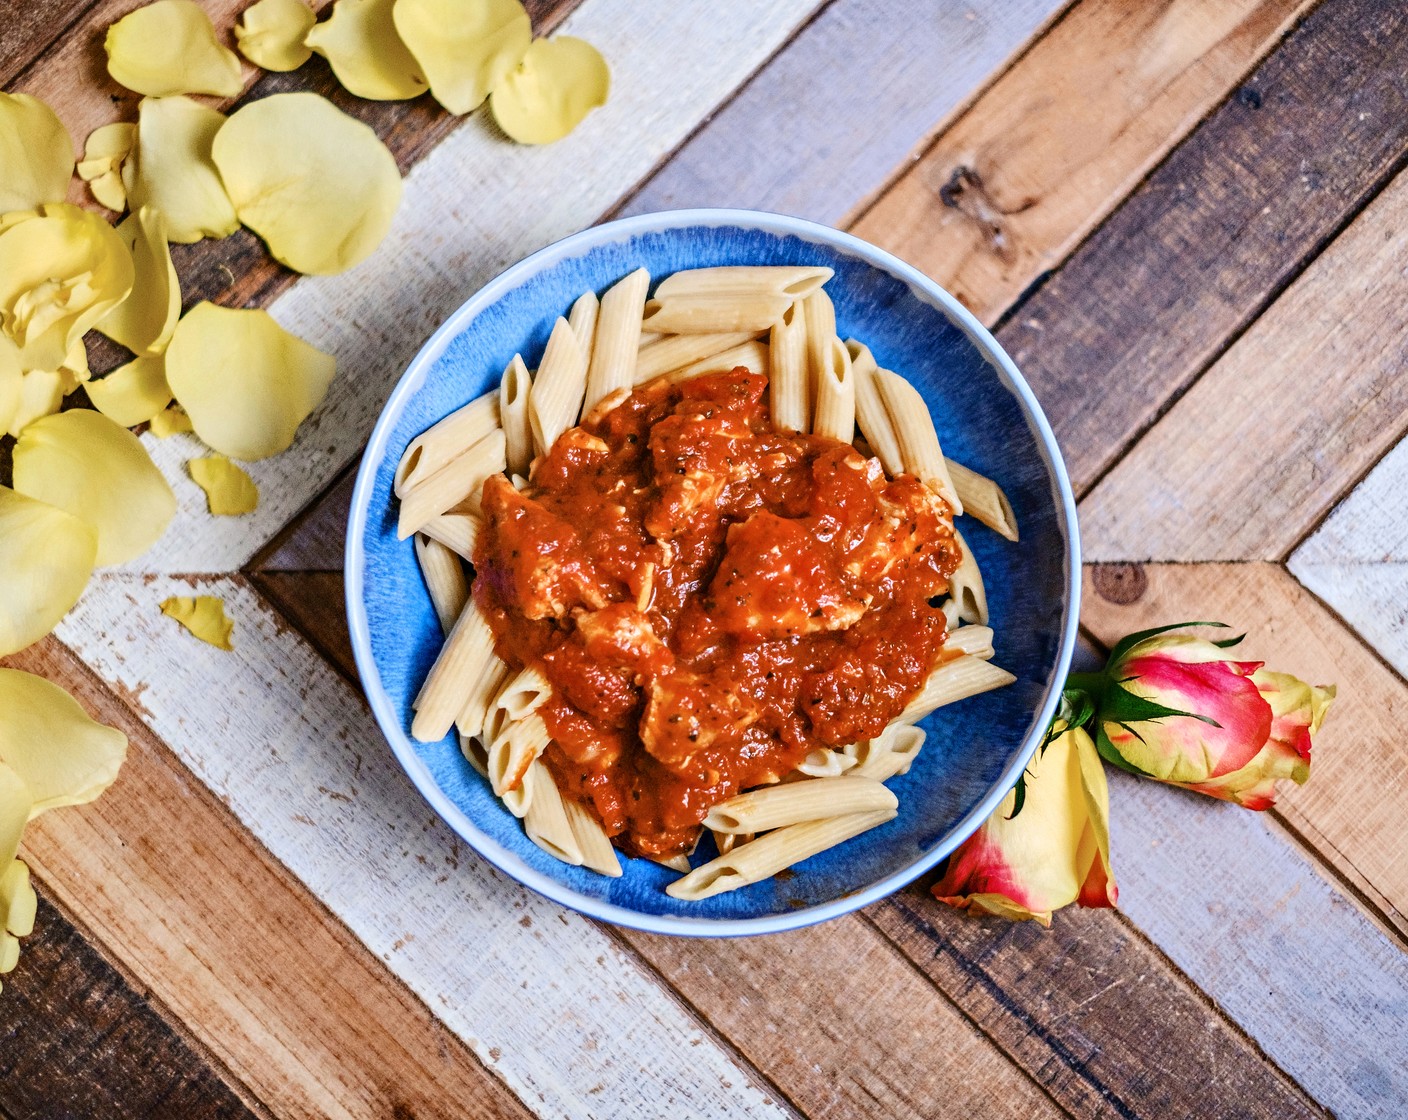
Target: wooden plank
(29, 30)
(316, 539)
(1063, 136)
(77, 1039)
(1351, 830)
(843, 1025)
(313, 602)
(1093, 1010)
(1284, 424)
(1357, 561)
(254, 966)
(816, 156)
(288, 745)
(465, 216)
(1218, 229)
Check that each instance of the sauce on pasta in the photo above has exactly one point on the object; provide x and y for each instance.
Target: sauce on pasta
(710, 599)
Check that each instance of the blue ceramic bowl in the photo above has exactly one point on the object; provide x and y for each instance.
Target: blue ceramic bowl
(987, 418)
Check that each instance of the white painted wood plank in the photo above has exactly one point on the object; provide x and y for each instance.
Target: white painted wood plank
(1250, 920)
(827, 121)
(473, 206)
(553, 1004)
(1357, 561)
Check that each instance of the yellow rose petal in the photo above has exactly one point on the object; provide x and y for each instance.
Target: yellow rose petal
(169, 47)
(110, 141)
(17, 900)
(60, 273)
(11, 384)
(49, 741)
(366, 54)
(109, 191)
(35, 153)
(558, 83)
(96, 469)
(465, 47)
(46, 557)
(171, 169)
(270, 34)
(204, 616)
(132, 394)
(229, 491)
(171, 422)
(101, 165)
(42, 394)
(143, 322)
(245, 381)
(316, 184)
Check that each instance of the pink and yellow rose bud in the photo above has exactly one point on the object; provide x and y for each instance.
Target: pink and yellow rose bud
(1025, 863)
(1179, 709)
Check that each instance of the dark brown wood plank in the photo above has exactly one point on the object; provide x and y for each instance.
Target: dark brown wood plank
(31, 26)
(78, 1040)
(1217, 231)
(314, 603)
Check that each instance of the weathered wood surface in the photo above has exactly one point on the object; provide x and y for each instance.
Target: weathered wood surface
(1063, 136)
(855, 95)
(1357, 561)
(196, 910)
(77, 1039)
(30, 27)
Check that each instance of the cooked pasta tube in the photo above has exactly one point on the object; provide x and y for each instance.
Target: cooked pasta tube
(474, 754)
(967, 587)
(753, 355)
(582, 319)
(890, 753)
(789, 389)
(983, 499)
(613, 360)
(786, 281)
(592, 841)
(459, 480)
(821, 329)
(953, 681)
(871, 416)
(745, 298)
(545, 820)
(835, 394)
(770, 853)
(822, 763)
(678, 863)
(444, 580)
(522, 694)
(515, 388)
(457, 529)
(973, 640)
(918, 440)
(514, 749)
(725, 842)
(559, 387)
(787, 803)
(446, 440)
(466, 653)
(674, 351)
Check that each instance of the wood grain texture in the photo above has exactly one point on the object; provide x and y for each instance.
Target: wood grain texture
(30, 27)
(1338, 338)
(843, 1025)
(76, 1039)
(300, 1012)
(568, 1018)
(1063, 136)
(880, 77)
(313, 602)
(1362, 735)
(463, 219)
(1357, 561)
(1093, 1011)
(316, 540)
(1217, 230)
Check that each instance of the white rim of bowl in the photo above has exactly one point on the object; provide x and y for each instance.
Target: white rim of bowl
(389, 720)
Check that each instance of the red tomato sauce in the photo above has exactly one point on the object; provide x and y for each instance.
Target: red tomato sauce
(710, 599)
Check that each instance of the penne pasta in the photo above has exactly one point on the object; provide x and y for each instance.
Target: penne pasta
(466, 653)
(825, 764)
(919, 442)
(522, 694)
(983, 500)
(475, 706)
(678, 863)
(890, 753)
(474, 754)
(793, 802)
(772, 852)
(752, 355)
(559, 388)
(513, 749)
(966, 586)
(459, 480)
(871, 415)
(618, 327)
(457, 529)
(515, 388)
(446, 440)
(789, 390)
(953, 681)
(592, 841)
(835, 415)
(545, 819)
(787, 282)
(444, 579)
(676, 351)
(821, 329)
(582, 319)
(976, 641)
